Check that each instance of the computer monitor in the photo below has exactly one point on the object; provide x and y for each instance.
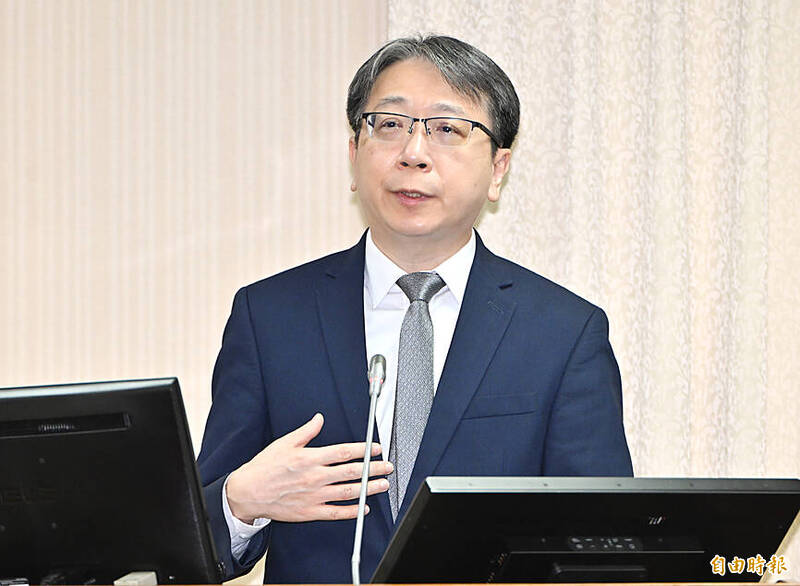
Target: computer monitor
(482, 529)
(98, 480)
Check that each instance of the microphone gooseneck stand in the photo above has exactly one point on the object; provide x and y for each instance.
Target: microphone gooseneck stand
(377, 374)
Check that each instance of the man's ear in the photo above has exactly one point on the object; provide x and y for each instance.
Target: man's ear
(353, 148)
(500, 165)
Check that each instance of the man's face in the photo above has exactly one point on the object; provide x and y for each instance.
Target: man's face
(415, 192)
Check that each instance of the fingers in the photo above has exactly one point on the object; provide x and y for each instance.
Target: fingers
(337, 512)
(306, 432)
(353, 470)
(301, 437)
(345, 492)
(343, 452)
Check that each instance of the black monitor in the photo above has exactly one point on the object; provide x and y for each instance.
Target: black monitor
(98, 480)
(482, 529)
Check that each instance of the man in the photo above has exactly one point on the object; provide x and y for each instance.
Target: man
(524, 378)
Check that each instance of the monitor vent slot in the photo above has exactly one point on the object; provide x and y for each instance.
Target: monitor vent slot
(65, 425)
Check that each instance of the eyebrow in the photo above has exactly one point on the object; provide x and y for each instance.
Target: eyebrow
(445, 107)
(391, 100)
(439, 106)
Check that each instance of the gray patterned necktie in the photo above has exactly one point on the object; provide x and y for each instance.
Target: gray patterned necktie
(414, 392)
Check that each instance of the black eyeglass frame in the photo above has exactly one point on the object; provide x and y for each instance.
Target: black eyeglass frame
(475, 124)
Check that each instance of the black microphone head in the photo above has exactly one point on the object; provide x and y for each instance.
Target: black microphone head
(377, 368)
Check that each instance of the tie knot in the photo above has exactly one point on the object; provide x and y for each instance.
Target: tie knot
(420, 286)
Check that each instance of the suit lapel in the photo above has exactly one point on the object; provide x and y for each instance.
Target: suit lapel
(340, 302)
(482, 322)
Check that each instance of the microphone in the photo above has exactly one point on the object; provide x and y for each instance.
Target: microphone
(377, 374)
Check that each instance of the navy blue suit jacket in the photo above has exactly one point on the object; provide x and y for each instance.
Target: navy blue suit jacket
(530, 387)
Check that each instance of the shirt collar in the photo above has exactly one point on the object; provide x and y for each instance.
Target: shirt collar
(381, 274)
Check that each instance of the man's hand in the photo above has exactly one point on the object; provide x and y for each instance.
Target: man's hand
(288, 481)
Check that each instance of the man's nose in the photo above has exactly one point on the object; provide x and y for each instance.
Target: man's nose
(415, 149)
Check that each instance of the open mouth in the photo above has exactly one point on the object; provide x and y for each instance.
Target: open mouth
(412, 195)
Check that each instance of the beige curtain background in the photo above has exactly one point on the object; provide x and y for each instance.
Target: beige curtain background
(156, 155)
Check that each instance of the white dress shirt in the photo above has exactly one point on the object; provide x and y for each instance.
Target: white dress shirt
(385, 306)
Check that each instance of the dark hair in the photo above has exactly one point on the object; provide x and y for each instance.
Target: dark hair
(467, 70)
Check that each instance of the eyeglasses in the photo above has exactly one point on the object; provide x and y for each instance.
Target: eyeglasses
(441, 130)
